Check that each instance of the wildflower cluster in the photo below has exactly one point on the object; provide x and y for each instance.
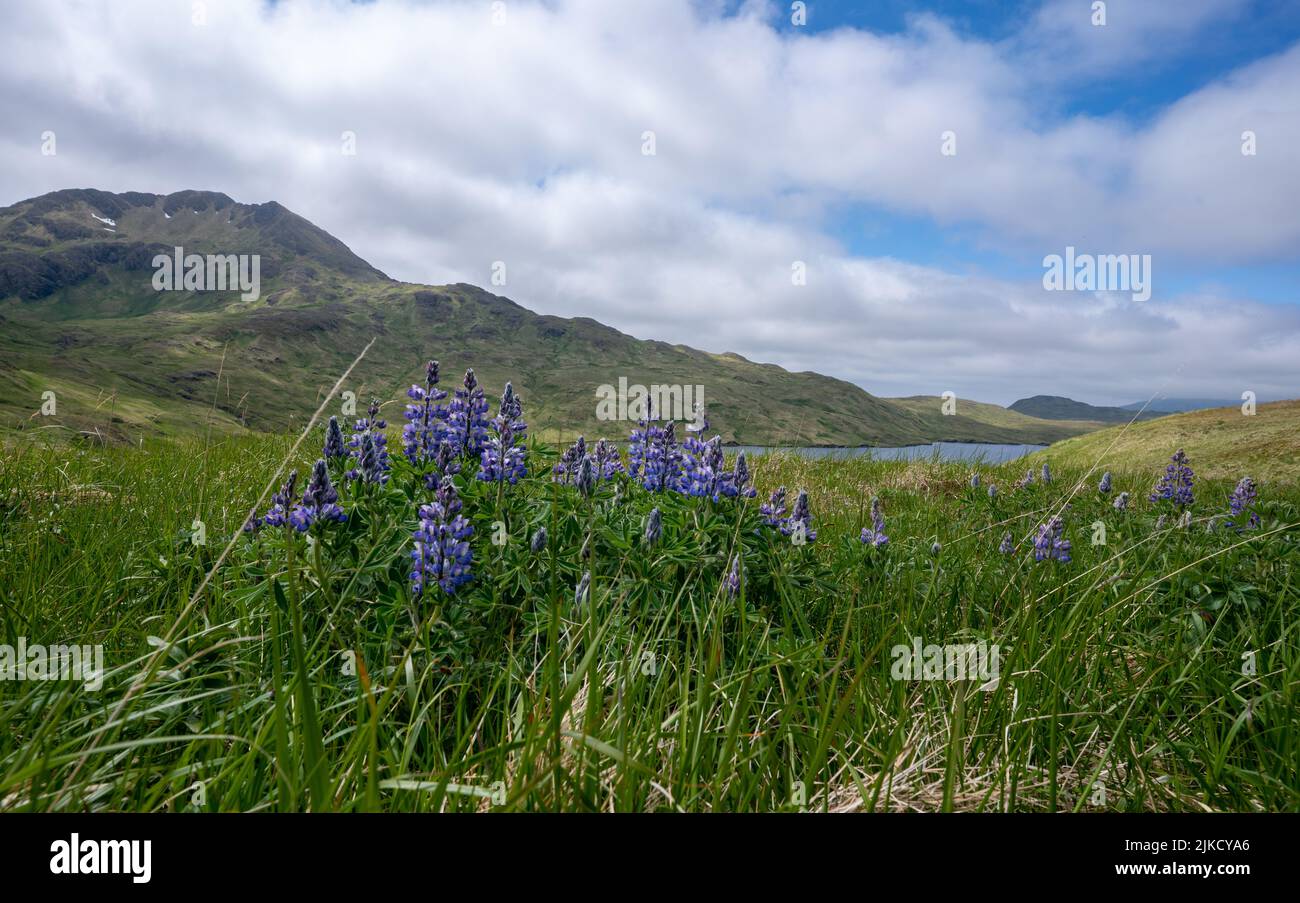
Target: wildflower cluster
(1176, 483)
(1050, 542)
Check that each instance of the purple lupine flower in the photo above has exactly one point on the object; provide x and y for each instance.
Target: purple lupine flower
(319, 501)
(975, 480)
(740, 480)
(372, 461)
(654, 527)
(1047, 474)
(446, 463)
(1243, 500)
(512, 409)
(993, 492)
(539, 540)
(1176, 483)
(875, 534)
(502, 458)
(935, 548)
(773, 510)
(1121, 502)
(426, 419)
(467, 422)
(442, 554)
(1027, 481)
(369, 448)
(567, 467)
(334, 447)
(1007, 546)
(1049, 542)
(800, 519)
(1104, 486)
(702, 469)
(733, 577)
(281, 502)
(502, 461)
(654, 459)
(606, 460)
(585, 477)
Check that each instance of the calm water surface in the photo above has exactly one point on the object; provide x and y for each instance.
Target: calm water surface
(989, 453)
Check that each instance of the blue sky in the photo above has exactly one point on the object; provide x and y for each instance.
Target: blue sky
(1251, 31)
(516, 135)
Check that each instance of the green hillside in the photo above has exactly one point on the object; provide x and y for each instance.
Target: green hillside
(976, 421)
(1222, 443)
(81, 319)
(1056, 407)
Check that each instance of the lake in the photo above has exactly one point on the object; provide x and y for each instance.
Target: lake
(988, 453)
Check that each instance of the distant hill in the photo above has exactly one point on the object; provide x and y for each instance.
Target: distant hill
(79, 317)
(1055, 407)
(1222, 444)
(1178, 405)
(976, 421)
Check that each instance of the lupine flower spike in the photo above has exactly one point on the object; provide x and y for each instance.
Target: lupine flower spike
(1241, 501)
(442, 554)
(773, 510)
(426, 419)
(502, 458)
(1176, 484)
(281, 502)
(733, 577)
(467, 423)
(800, 519)
(369, 448)
(1050, 543)
(334, 447)
(875, 534)
(605, 460)
(319, 501)
(654, 527)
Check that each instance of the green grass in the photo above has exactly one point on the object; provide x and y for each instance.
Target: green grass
(1223, 442)
(1121, 670)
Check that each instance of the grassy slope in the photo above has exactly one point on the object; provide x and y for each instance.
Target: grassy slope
(162, 365)
(977, 421)
(1221, 443)
(127, 362)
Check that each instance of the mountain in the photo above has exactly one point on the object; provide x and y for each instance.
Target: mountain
(1177, 405)
(1055, 407)
(1222, 444)
(80, 317)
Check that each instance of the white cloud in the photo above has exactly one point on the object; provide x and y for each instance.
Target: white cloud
(522, 142)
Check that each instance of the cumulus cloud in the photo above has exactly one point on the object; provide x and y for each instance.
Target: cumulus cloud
(521, 140)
